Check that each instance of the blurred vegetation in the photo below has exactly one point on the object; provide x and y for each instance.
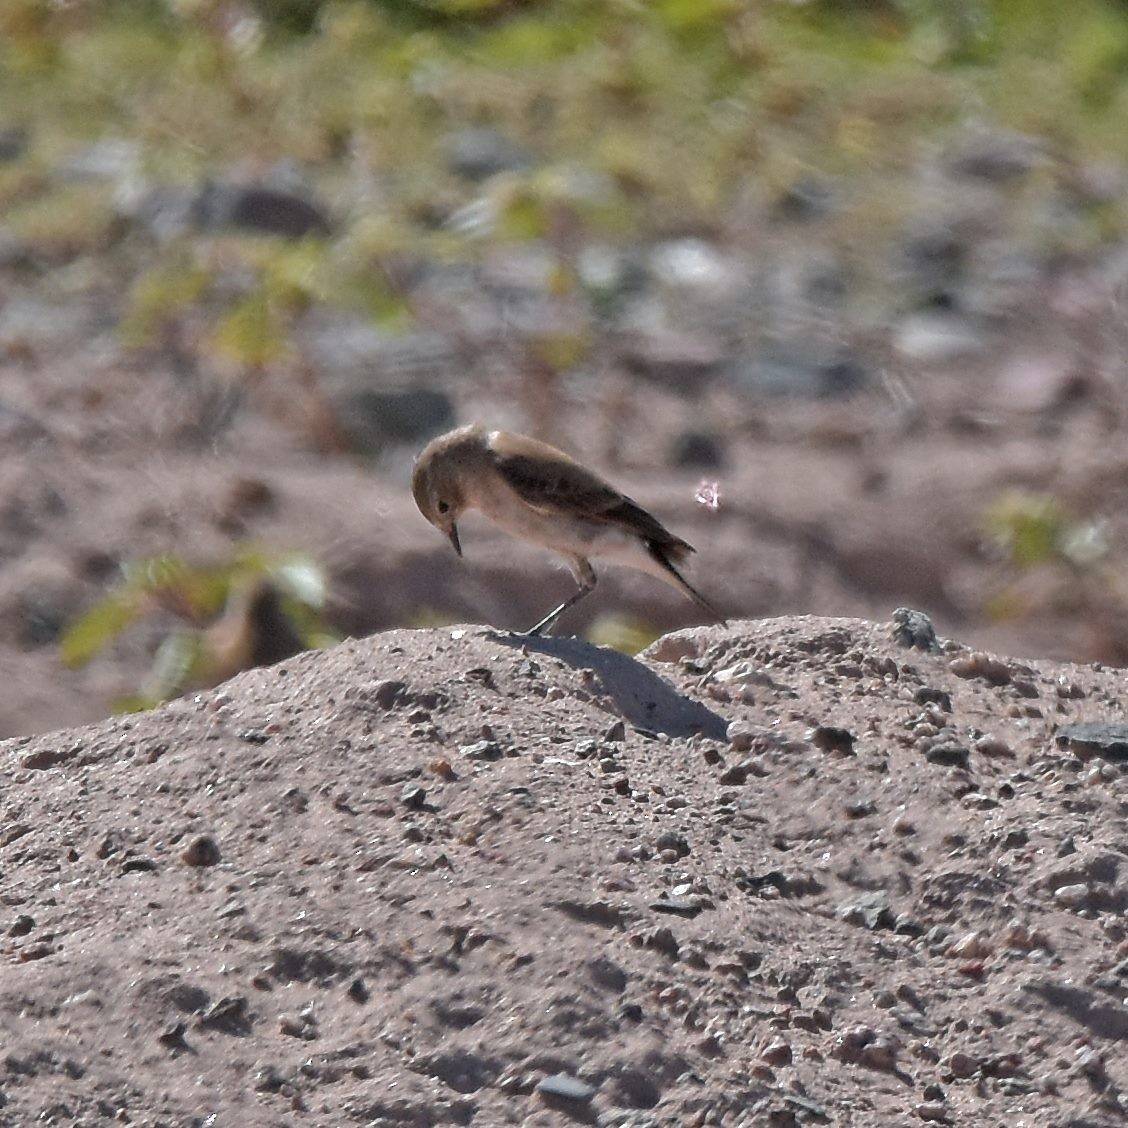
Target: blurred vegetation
(639, 119)
(254, 609)
(1052, 561)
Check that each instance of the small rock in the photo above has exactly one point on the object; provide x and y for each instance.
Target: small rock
(21, 926)
(927, 695)
(1108, 740)
(1072, 896)
(980, 665)
(482, 750)
(481, 151)
(879, 1054)
(948, 755)
(974, 945)
(701, 450)
(13, 142)
(565, 1087)
(257, 207)
(996, 155)
(733, 776)
(173, 1036)
(995, 747)
(673, 840)
(413, 795)
(839, 741)
(938, 337)
(617, 733)
(777, 1054)
(961, 1065)
(934, 1111)
(741, 736)
(872, 910)
(914, 630)
(201, 851)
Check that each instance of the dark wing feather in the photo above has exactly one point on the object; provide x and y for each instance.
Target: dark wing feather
(548, 480)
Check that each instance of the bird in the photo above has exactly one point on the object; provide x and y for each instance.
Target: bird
(541, 495)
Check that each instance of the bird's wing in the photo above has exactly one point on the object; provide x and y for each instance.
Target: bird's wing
(550, 481)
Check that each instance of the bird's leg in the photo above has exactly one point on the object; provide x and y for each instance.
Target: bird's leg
(585, 577)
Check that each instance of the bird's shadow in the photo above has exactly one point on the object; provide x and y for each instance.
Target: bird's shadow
(643, 698)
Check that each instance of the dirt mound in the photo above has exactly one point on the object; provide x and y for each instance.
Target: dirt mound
(796, 871)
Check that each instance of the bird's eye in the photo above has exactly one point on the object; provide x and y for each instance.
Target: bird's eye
(444, 507)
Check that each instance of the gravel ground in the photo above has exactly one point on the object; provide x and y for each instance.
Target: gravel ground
(793, 871)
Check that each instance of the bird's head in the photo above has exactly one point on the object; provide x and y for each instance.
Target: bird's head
(437, 486)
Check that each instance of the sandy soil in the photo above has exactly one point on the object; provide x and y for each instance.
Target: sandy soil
(790, 872)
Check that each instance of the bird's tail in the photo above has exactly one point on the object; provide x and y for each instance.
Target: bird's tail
(665, 555)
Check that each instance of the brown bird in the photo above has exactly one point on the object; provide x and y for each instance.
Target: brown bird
(539, 494)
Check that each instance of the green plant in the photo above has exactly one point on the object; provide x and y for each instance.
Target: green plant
(253, 609)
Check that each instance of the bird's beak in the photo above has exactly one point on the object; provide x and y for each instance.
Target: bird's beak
(452, 532)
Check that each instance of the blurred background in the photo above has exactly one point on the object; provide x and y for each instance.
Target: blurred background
(836, 288)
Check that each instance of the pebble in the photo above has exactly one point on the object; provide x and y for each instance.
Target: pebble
(413, 795)
(481, 750)
(973, 946)
(565, 1087)
(935, 1111)
(741, 736)
(994, 747)
(22, 925)
(827, 738)
(980, 665)
(948, 755)
(961, 1065)
(1072, 896)
(778, 1053)
(913, 629)
(201, 851)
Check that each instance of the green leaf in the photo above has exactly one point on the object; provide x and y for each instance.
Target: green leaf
(250, 334)
(99, 626)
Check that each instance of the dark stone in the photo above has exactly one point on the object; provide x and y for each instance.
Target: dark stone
(926, 695)
(636, 1088)
(948, 755)
(1106, 739)
(673, 840)
(682, 362)
(13, 142)
(138, 864)
(201, 851)
(831, 739)
(373, 418)
(872, 910)
(607, 974)
(479, 152)
(591, 912)
(997, 156)
(796, 369)
(914, 630)
(701, 450)
(22, 925)
(805, 199)
(482, 750)
(413, 795)
(933, 259)
(677, 907)
(256, 207)
(228, 1014)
